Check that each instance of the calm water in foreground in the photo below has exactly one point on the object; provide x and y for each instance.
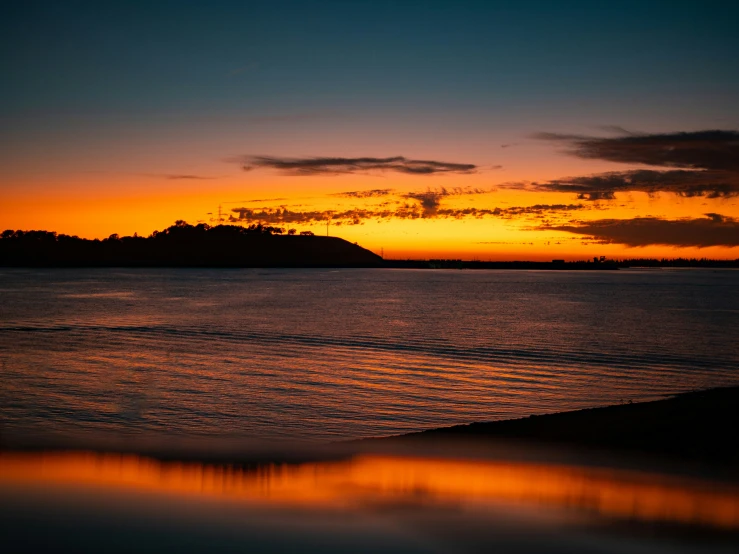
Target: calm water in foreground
(83, 502)
(335, 354)
(209, 358)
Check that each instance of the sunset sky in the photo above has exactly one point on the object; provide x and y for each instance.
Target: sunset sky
(476, 130)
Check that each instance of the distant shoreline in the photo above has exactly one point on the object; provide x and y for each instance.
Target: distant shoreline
(391, 264)
(605, 265)
(348, 260)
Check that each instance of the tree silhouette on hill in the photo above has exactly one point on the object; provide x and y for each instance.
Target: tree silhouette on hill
(183, 244)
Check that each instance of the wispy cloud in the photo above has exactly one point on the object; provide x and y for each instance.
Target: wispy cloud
(373, 193)
(539, 209)
(337, 166)
(286, 216)
(256, 200)
(712, 230)
(357, 216)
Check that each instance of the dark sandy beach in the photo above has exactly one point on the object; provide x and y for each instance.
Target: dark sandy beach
(697, 426)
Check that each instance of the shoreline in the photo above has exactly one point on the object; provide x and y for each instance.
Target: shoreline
(696, 426)
(581, 265)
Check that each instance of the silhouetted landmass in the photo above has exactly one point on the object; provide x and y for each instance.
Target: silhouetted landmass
(699, 426)
(183, 245)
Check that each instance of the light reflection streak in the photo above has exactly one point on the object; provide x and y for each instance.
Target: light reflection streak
(368, 480)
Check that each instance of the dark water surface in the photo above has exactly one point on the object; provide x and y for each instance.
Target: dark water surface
(85, 502)
(334, 354)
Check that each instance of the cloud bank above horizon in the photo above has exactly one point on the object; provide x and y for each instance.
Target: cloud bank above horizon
(703, 163)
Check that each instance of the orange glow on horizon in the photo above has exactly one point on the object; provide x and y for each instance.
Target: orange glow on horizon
(143, 204)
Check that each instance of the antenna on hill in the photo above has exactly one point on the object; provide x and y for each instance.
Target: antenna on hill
(220, 217)
(328, 222)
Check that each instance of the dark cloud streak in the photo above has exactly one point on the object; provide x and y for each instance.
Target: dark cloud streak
(186, 177)
(704, 163)
(686, 183)
(713, 149)
(337, 166)
(712, 230)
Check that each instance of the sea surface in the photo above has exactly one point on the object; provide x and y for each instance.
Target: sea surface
(324, 355)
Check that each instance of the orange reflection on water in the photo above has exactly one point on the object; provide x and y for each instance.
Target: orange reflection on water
(369, 479)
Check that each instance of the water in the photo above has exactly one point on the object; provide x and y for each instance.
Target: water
(84, 502)
(336, 354)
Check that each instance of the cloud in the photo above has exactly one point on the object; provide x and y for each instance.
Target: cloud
(713, 149)
(539, 209)
(424, 205)
(428, 200)
(687, 183)
(431, 198)
(336, 166)
(357, 216)
(185, 177)
(712, 230)
(285, 216)
(708, 163)
(374, 193)
(256, 200)
(703, 163)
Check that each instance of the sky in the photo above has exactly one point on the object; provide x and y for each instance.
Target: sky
(475, 130)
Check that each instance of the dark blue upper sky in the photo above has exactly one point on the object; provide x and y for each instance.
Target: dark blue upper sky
(219, 57)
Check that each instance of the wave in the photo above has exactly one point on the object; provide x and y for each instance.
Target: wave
(427, 347)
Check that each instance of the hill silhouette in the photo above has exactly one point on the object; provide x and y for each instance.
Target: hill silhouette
(184, 245)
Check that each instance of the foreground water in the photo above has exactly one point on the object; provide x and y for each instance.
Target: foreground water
(335, 354)
(83, 502)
